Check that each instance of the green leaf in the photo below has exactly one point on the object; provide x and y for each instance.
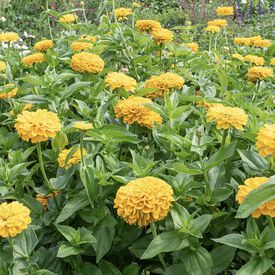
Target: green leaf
(175, 269)
(60, 141)
(256, 197)
(132, 269)
(181, 168)
(222, 257)
(78, 202)
(34, 80)
(225, 152)
(43, 272)
(197, 261)
(165, 242)
(108, 268)
(256, 266)
(87, 269)
(75, 87)
(67, 231)
(39, 99)
(201, 222)
(66, 250)
(253, 160)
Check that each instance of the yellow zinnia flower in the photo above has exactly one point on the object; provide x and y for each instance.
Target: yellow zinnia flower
(257, 60)
(136, 4)
(68, 18)
(147, 25)
(10, 93)
(218, 23)
(259, 73)
(87, 62)
(14, 218)
(227, 117)
(2, 66)
(81, 46)
(250, 184)
(43, 45)
(83, 126)
(272, 61)
(261, 43)
(122, 13)
(88, 38)
(9, 37)
(163, 83)
(120, 80)
(33, 58)
(133, 110)
(254, 38)
(213, 29)
(144, 201)
(37, 126)
(238, 56)
(162, 35)
(266, 140)
(242, 41)
(224, 11)
(193, 46)
(75, 158)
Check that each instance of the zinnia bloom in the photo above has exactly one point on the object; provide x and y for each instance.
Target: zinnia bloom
(88, 38)
(272, 61)
(163, 83)
(81, 46)
(266, 140)
(259, 73)
(2, 66)
(83, 126)
(254, 38)
(68, 18)
(224, 11)
(147, 25)
(144, 201)
(120, 80)
(33, 58)
(227, 117)
(14, 218)
(133, 110)
(87, 62)
(162, 35)
(238, 56)
(43, 46)
(37, 126)
(250, 184)
(193, 46)
(122, 13)
(218, 23)
(10, 93)
(261, 43)
(75, 158)
(9, 37)
(242, 41)
(213, 29)
(257, 60)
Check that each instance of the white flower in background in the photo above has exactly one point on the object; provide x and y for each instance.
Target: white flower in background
(243, 2)
(3, 19)
(28, 35)
(5, 45)
(26, 52)
(24, 47)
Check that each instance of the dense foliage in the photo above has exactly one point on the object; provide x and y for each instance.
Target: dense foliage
(128, 148)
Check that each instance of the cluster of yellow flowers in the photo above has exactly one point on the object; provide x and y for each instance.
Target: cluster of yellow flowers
(9, 93)
(144, 201)
(227, 117)
(266, 140)
(255, 41)
(259, 73)
(250, 184)
(163, 83)
(43, 45)
(133, 110)
(120, 80)
(87, 63)
(122, 13)
(68, 18)
(37, 126)
(9, 37)
(218, 23)
(147, 25)
(238, 56)
(32, 59)
(193, 46)
(257, 60)
(224, 11)
(14, 218)
(75, 158)
(78, 46)
(213, 29)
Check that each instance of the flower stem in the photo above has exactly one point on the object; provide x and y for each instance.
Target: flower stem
(160, 55)
(224, 136)
(154, 232)
(81, 149)
(48, 19)
(208, 191)
(270, 222)
(210, 42)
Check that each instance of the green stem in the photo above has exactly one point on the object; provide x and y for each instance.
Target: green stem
(154, 232)
(84, 15)
(160, 55)
(257, 90)
(225, 34)
(208, 191)
(210, 42)
(81, 149)
(40, 158)
(270, 222)
(224, 136)
(215, 42)
(48, 19)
